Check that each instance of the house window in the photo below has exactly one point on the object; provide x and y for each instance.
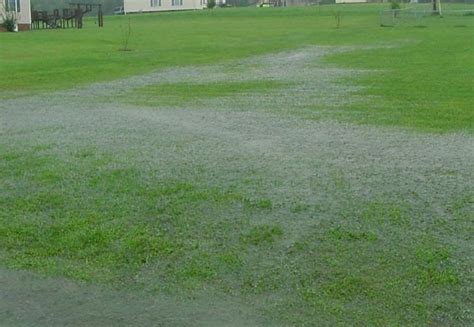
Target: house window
(176, 2)
(13, 5)
(155, 3)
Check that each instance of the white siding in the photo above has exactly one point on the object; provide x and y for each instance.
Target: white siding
(25, 14)
(134, 6)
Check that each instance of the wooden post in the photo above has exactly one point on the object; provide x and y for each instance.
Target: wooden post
(101, 17)
(79, 16)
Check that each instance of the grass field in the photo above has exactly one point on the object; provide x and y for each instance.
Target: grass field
(238, 167)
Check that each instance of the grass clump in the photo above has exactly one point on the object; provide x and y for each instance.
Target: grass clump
(189, 93)
(260, 235)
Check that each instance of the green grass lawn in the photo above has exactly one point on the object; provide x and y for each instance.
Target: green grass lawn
(210, 183)
(425, 78)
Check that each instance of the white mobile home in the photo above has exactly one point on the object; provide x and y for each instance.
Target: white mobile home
(137, 6)
(21, 9)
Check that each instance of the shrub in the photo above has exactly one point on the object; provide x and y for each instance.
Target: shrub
(211, 4)
(394, 4)
(9, 21)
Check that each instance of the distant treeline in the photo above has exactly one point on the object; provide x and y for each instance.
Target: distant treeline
(49, 5)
